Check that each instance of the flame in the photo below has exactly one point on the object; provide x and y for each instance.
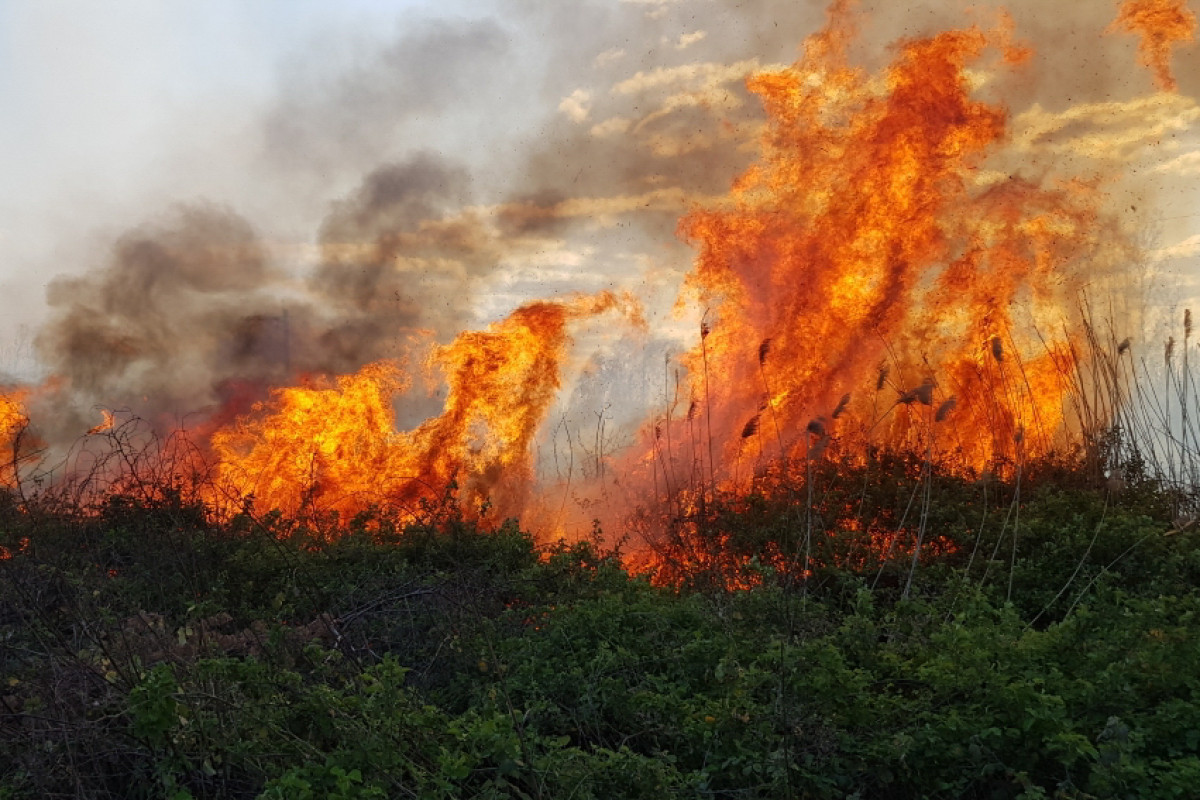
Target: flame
(863, 235)
(334, 446)
(106, 423)
(13, 423)
(326, 440)
(1162, 25)
(869, 282)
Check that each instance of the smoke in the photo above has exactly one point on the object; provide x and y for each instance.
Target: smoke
(400, 252)
(191, 305)
(399, 188)
(357, 103)
(179, 307)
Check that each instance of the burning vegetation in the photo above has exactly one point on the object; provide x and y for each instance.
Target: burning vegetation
(336, 447)
(1161, 25)
(883, 277)
(874, 494)
(864, 255)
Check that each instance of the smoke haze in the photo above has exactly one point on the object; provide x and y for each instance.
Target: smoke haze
(394, 182)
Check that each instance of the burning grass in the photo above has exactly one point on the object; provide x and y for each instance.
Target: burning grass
(788, 646)
(870, 244)
(860, 238)
(887, 325)
(915, 517)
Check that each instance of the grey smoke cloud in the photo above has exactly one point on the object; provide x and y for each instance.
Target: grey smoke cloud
(354, 109)
(190, 303)
(456, 164)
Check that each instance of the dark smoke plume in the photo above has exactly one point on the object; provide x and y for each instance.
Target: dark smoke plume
(400, 254)
(592, 134)
(191, 306)
(180, 306)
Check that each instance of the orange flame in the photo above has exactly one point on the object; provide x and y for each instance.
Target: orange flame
(13, 422)
(870, 282)
(106, 423)
(1162, 25)
(863, 236)
(335, 447)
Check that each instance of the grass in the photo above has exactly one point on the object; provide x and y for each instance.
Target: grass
(150, 651)
(878, 626)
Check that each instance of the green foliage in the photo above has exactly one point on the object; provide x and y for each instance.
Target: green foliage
(148, 653)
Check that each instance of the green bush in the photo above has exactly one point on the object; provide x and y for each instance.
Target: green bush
(146, 652)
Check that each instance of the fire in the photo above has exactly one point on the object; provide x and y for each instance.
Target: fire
(863, 255)
(878, 278)
(13, 422)
(106, 423)
(1162, 25)
(334, 446)
(333, 442)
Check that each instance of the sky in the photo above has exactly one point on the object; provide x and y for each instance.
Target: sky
(556, 143)
(113, 109)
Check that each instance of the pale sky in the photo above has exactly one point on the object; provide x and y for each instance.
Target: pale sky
(110, 107)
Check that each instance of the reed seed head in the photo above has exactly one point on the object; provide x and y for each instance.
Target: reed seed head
(944, 409)
(882, 379)
(997, 348)
(1123, 346)
(763, 349)
(750, 427)
(816, 427)
(841, 406)
(922, 394)
(925, 392)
